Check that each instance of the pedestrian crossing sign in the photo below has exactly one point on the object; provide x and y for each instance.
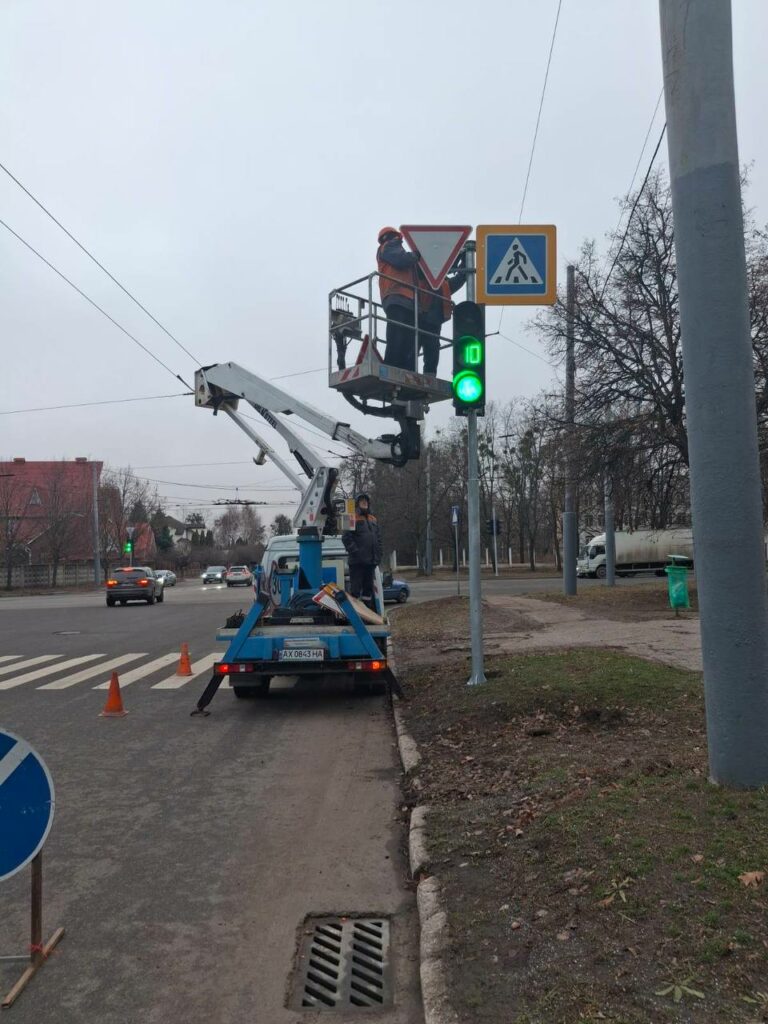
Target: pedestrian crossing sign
(516, 264)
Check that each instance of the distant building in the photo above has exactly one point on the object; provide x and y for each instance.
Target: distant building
(47, 506)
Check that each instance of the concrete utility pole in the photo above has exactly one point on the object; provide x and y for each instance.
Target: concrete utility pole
(570, 529)
(610, 531)
(696, 45)
(473, 514)
(428, 537)
(96, 527)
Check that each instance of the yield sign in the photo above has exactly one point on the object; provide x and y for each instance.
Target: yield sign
(438, 246)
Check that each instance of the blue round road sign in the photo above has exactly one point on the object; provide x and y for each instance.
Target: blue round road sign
(26, 803)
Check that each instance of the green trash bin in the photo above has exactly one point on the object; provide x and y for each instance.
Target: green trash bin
(677, 584)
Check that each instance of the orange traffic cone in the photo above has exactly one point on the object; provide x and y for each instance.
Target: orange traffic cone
(185, 668)
(114, 706)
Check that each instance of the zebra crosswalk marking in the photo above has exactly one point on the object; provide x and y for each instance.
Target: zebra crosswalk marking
(9, 657)
(40, 673)
(104, 667)
(5, 669)
(143, 670)
(199, 667)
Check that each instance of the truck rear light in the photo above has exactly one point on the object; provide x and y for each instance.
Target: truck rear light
(225, 668)
(366, 666)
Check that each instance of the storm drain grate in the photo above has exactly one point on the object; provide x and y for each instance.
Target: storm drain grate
(344, 963)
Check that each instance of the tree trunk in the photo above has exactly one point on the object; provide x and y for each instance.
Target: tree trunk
(54, 571)
(532, 554)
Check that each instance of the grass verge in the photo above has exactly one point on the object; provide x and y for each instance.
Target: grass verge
(591, 872)
(622, 603)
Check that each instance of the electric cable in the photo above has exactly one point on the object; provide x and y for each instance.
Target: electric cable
(84, 405)
(538, 116)
(631, 213)
(536, 129)
(95, 305)
(100, 265)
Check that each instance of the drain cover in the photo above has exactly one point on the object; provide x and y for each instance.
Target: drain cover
(344, 963)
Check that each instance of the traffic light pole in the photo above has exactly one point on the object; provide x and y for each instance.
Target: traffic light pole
(473, 509)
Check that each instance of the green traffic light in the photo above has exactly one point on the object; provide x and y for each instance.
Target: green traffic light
(468, 387)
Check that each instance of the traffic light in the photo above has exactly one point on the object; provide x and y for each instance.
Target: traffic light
(469, 358)
(128, 547)
(494, 526)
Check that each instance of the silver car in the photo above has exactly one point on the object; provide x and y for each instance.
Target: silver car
(168, 577)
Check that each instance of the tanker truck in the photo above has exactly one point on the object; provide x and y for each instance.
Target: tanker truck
(638, 552)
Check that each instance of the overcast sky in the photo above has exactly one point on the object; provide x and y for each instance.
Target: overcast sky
(232, 163)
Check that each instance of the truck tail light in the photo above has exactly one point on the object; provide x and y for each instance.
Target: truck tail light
(225, 668)
(366, 666)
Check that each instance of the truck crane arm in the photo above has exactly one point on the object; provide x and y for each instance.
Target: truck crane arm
(223, 385)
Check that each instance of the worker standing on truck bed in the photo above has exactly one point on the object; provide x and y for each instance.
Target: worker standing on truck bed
(363, 546)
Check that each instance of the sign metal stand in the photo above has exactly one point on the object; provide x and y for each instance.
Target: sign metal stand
(38, 953)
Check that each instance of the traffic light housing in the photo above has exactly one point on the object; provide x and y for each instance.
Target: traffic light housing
(128, 547)
(468, 382)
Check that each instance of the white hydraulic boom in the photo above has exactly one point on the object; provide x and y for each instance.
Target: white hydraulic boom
(223, 385)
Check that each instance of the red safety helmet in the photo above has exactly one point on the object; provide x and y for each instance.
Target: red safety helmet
(388, 231)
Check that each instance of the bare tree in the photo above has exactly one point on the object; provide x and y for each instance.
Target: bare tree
(65, 508)
(14, 502)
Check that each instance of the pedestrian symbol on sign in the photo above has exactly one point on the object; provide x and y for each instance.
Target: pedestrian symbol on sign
(516, 267)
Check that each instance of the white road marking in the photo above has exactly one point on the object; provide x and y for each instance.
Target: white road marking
(30, 677)
(13, 759)
(88, 673)
(10, 657)
(199, 667)
(5, 669)
(144, 670)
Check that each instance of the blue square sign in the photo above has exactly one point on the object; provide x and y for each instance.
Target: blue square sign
(516, 264)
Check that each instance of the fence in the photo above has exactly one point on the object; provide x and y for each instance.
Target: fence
(29, 576)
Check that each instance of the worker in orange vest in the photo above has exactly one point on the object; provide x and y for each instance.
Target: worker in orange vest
(437, 309)
(398, 285)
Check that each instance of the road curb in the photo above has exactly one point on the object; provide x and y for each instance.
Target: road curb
(433, 920)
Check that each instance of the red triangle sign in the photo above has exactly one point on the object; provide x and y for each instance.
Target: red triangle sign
(438, 246)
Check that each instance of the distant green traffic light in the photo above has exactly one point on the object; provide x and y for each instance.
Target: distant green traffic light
(128, 547)
(468, 358)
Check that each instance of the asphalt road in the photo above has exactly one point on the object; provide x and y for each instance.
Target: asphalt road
(187, 852)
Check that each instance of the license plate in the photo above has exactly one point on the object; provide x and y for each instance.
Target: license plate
(301, 654)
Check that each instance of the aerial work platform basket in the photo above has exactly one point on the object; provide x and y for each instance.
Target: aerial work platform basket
(357, 349)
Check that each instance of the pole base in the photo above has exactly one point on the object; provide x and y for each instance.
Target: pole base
(476, 679)
(39, 956)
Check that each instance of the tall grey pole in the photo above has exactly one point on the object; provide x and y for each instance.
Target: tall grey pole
(473, 514)
(428, 538)
(96, 527)
(610, 531)
(570, 529)
(697, 57)
(495, 545)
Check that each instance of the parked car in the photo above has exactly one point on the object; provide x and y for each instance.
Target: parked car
(134, 583)
(395, 590)
(214, 574)
(238, 575)
(168, 577)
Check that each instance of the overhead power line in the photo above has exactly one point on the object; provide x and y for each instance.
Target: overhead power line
(84, 405)
(632, 212)
(100, 265)
(538, 116)
(95, 305)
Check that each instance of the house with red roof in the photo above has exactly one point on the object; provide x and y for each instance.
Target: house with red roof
(46, 513)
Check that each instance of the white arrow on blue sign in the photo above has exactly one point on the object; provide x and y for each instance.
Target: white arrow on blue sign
(26, 803)
(454, 515)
